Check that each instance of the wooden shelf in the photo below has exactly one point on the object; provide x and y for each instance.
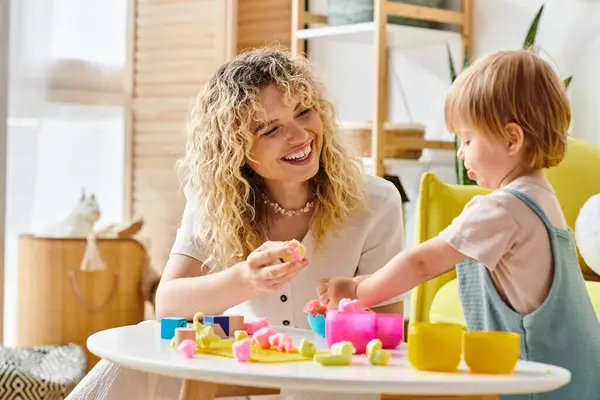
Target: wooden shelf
(383, 36)
(397, 35)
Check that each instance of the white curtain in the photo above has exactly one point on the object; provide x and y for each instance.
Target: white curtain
(66, 120)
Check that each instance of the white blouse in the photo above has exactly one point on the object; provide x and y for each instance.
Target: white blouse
(364, 244)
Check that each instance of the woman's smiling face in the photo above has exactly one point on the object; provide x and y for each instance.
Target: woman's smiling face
(288, 146)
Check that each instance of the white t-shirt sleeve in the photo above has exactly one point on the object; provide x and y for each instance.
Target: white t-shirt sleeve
(385, 238)
(185, 242)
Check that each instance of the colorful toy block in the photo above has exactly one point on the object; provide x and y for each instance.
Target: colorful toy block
(168, 326)
(182, 334)
(219, 331)
(222, 320)
(236, 323)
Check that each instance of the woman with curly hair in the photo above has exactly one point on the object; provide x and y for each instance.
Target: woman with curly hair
(264, 164)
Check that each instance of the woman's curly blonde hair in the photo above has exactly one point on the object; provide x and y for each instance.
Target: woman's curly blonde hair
(231, 219)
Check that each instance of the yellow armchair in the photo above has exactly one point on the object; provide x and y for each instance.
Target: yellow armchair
(575, 180)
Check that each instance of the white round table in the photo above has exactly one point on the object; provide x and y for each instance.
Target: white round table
(140, 347)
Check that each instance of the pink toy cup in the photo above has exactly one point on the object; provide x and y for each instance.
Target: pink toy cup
(390, 330)
(357, 327)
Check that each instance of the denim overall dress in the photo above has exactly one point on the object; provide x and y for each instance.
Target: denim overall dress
(563, 331)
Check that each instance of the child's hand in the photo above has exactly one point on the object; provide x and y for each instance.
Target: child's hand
(332, 290)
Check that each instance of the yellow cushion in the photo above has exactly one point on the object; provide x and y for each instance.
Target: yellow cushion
(439, 203)
(446, 306)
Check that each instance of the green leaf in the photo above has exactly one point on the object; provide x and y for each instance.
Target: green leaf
(568, 81)
(532, 33)
(451, 63)
(466, 58)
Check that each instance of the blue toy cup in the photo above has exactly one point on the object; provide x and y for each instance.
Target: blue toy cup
(317, 323)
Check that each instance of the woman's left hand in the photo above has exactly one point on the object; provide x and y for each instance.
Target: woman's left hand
(332, 290)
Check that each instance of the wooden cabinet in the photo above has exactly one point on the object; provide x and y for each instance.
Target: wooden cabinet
(58, 303)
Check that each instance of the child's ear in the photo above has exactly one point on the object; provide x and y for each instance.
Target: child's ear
(516, 138)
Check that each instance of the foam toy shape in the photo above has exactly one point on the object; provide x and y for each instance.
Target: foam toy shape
(187, 348)
(168, 326)
(198, 318)
(222, 320)
(281, 342)
(375, 354)
(206, 337)
(343, 348)
(261, 337)
(253, 326)
(307, 348)
(340, 354)
(242, 350)
(374, 345)
(218, 330)
(349, 306)
(379, 357)
(240, 335)
(315, 307)
(298, 253)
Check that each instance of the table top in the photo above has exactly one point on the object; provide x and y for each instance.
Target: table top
(140, 347)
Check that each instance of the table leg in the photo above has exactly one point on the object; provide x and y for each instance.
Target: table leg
(198, 390)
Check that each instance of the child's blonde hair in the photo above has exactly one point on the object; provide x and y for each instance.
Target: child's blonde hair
(231, 217)
(513, 86)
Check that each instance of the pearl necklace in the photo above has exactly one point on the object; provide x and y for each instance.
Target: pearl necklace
(289, 213)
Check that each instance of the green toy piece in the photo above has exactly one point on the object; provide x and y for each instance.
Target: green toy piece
(206, 337)
(307, 348)
(339, 354)
(376, 355)
(240, 335)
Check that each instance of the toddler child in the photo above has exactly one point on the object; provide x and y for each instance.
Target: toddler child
(515, 257)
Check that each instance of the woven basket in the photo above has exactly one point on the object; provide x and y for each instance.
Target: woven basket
(358, 136)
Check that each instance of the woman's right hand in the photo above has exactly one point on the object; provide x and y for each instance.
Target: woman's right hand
(264, 269)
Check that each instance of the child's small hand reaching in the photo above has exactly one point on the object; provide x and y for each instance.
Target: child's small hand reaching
(332, 290)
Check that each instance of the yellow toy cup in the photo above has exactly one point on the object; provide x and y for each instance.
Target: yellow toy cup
(491, 352)
(434, 346)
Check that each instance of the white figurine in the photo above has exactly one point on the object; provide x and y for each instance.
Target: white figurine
(79, 223)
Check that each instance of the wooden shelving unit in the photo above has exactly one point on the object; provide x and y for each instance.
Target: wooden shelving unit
(384, 36)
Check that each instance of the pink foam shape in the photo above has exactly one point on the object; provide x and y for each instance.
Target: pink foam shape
(187, 348)
(349, 306)
(261, 337)
(314, 307)
(252, 327)
(242, 350)
(281, 342)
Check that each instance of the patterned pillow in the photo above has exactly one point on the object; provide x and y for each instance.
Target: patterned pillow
(40, 373)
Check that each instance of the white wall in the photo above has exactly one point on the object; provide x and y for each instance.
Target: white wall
(568, 35)
(4, 29)
(419, 78)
